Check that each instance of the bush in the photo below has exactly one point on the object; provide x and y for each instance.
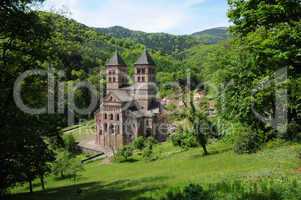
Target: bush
(171, 107)
(261, 189)
(148, 153)
(293, 132)
(66, 165)
(124, 154)
(150, 141)
(139, 143)
(190, 192)
(184, 140)
(248, 142)
(70, 144)
(274, 143)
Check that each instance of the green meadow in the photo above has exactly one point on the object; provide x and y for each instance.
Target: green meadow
(174, 168)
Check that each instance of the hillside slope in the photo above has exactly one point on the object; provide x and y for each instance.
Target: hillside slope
(140, 179)
(168, 43)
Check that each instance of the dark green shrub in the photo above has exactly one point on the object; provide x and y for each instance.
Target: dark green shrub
(139, 143)
(293, 132)
(248, 142)
(275, 143)
(148, 153)
(150, 141)
(70, 144)
(124, 154)
(66, 165)
(280, 188)
(184, 140)
(190, 192)
(170, 107)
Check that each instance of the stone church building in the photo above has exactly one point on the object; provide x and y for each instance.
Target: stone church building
(127, 111)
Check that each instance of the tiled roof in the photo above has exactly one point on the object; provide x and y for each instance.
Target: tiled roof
(116, 60)
(122, 95)
(145, 59)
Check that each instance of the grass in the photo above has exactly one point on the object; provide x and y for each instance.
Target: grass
(174, 168)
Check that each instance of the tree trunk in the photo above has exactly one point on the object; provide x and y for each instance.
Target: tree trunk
(42, 182)
(30, 186)
(62, 174)
(205, 149)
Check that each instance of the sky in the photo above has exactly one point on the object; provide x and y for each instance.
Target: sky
(169, 16)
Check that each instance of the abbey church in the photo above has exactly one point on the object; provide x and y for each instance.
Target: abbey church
(127, 111)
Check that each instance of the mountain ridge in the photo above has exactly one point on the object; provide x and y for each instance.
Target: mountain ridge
(168, 43)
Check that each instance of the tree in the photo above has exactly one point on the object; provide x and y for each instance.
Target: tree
(124, 154)
(269, 31)
(70, 144)
(200, 122)
(66, 165)
(139, 143)
(23, 46)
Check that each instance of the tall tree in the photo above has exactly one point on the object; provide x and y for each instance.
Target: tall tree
(267, 40)
(23, 39)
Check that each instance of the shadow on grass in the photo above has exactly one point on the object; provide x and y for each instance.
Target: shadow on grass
(211, 153)
(130, 160)
(121, 189)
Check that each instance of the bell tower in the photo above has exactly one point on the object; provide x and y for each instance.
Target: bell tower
(145, 81)
(116, 72)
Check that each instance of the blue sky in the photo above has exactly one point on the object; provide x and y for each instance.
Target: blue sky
(170, 16)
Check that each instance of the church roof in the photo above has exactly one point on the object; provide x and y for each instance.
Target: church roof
(145, 113)
(122, 95)
(116, 60)
(145, 59)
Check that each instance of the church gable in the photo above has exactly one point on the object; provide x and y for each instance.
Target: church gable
(112, 98)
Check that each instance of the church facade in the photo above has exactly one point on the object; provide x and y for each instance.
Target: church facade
(127, 111)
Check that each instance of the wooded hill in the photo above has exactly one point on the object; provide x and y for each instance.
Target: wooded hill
(168, 43)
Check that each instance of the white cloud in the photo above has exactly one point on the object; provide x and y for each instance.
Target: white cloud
(190, 3)
(149, 16)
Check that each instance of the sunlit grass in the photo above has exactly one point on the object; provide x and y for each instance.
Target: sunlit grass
(175, 167)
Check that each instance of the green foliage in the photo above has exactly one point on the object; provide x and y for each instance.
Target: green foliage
(190, 192)
(184, 139)
(70, 144)
(24, 45)
(145, 146)
(293, 132)
(124, 154)
(66, 165)
(150, 141)
(139, 143)
(268, 189)
(148, 153)
(175, 168)
(167, 43)
(275, 143)
(243, 73)
(248, 142)
(171, 107)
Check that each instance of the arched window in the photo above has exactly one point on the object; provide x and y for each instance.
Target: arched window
(142, 79)
(105, 127)
(117, 129)
(117, 117)
(142, 71)
(110, 79)
(111, 129)
(105, 116)
(111, 117)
